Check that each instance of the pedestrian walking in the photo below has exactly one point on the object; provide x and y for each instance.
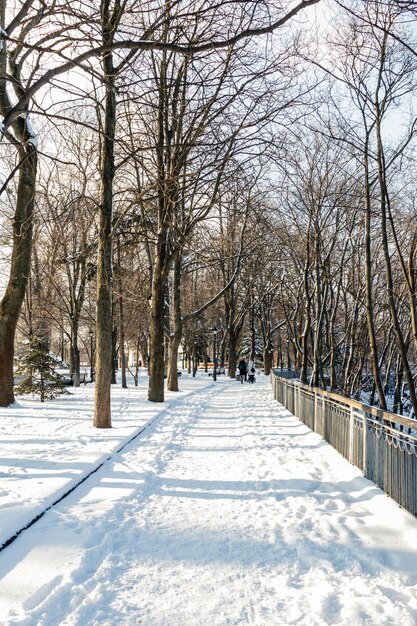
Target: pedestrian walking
(251, 371)
(242, 370)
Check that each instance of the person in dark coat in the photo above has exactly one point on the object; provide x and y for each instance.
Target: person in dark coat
(242, 370)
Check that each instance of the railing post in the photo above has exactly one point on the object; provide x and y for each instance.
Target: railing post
(296, 401)
(294, 394)
(351, 434)
(364, 443)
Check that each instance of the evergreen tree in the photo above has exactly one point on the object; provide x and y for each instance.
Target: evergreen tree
(38, 372)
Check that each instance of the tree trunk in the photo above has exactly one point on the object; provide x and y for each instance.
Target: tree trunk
(384, 199)
(252, 333)
(411, 273)
(42, 382)
(174, 344)
(399, 372)
(76, 360)
(74, 352)
(121, 320)
(307, 305)
(114, 355)
(232, 352)
(156, 340)
(104, 345)
(122, 347)
(288, 355)
(321, 297)
(12, 301)
(268, 357)
(368, 281)
(176, 334)
(22, 225)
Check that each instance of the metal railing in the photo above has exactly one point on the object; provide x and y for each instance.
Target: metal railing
(382, 444)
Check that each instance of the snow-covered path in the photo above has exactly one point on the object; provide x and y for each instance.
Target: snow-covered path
(227, 510)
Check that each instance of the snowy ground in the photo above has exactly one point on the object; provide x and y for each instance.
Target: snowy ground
(225, 510)
(46, 449)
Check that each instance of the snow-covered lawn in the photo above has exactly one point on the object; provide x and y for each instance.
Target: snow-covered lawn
(46, 449)
(225, 510)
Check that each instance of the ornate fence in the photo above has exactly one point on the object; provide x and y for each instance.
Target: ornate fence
(382, 444)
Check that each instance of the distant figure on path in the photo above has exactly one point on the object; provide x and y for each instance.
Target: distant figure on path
(251, 372)
(242, 370)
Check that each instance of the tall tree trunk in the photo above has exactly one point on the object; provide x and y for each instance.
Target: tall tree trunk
(114, 354)
(368, 284)
(268, 356)
(104, 346)
(399, 372)
(411, 273)
(321, 299)
(307, 306)
(76, 360)
(156, 340)
(280, 358)
(14, 295)
(121, 319)
(174, 345)
(348, 363)
(75, 351)
(384, 198)
(231, 335)
(22, 224)
(232, 349)
(252, 333)
(289, 365)
(176, 331)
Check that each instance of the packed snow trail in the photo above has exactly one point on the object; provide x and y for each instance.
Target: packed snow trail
(226, 511)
